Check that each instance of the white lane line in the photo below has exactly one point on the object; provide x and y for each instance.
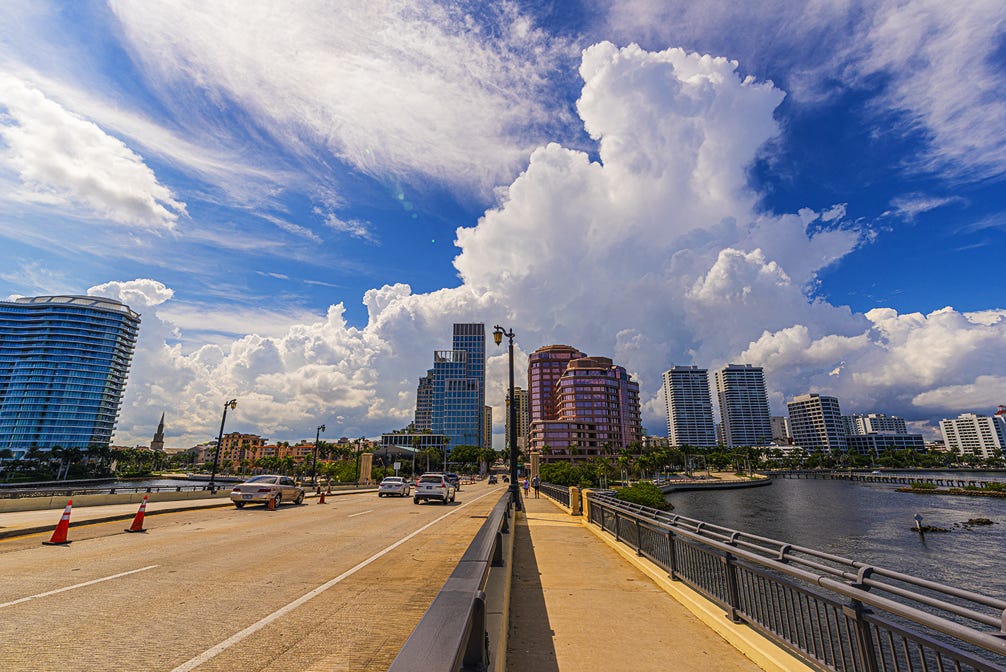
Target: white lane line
(353, 515)
(283, 611)
(79, 585)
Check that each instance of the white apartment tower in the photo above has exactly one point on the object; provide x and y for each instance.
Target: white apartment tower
(743, 398)
(816, 423)
(689, 407)
(873, 423)
(978, 435)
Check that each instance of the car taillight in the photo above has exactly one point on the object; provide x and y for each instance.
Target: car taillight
(236, 490)
(264, 490)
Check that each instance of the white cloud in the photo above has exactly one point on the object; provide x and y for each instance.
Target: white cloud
(55, 158)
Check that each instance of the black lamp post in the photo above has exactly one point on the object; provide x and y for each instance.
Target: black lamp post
(314, 467)
(359, 447)
(498, 334)
(233, 403)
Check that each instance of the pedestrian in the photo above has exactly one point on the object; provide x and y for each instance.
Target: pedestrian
(536, 482)
(524, 484)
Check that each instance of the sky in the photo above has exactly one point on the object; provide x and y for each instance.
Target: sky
(301, 198)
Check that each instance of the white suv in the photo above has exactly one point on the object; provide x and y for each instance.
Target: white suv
(434, 486)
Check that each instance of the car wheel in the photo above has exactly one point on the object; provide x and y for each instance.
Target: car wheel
(415, 500)
(299, 500)
(380, 494)
(239, 505)
(453, 497)
(277, 500)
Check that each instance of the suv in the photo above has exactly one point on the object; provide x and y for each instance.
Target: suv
(454, 479)
(434, 486)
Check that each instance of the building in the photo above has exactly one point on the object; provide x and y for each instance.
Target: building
(743, 400)
(816, 423)
(459, 387)
(975, 435)
(876, 444)
(157, 443)
(521, 396)
(424, 403)
(590, 409)
(487, 426)
(64, 361)
(689, 407)
(781, 433)
(236, 448)
(873, 423)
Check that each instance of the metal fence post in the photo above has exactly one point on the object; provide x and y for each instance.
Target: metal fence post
(672, 555)
(864, 638)
(477, 650)
(733, 595)
(639, 540)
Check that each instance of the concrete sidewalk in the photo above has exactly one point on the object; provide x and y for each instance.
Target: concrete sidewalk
(577, 604)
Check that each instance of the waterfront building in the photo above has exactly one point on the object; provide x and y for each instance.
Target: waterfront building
(157, 443)
(781, 433)
(591, 409)
(976, 435)
(873, 423)
(64, 361)
(458, 396)
(743, 400)
(689, 407)
(487, 426)
(424, 403)
(521, 395)
(816, 423)
(876, 444)
(236, 448)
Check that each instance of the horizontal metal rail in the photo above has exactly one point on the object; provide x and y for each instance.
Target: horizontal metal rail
(22, 493)
(452, 634)
(834, 612)
(559, 493)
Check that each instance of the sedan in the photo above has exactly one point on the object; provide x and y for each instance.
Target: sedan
(265, 488)
(394, 485)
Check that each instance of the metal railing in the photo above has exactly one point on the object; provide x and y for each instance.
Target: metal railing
(559, 493)
(452, 634)
(69, 491)
(833, 612)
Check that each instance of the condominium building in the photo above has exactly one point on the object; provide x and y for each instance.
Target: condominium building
(424, 403)
(977, 435)
(876, 444)
(689, 407)
(781, 433)
(521, 397)
(591, 409)
(816, 423)
(873, 423)
(459, 387)
(744, 411)
(487, 426)
(64, 361)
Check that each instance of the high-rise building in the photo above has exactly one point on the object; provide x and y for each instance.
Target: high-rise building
(459, 387)
(816, 423)
(873, 423)
(977, 435)
(487, 427)
(592, 408)
(743, 399)
(689, 407)
(521, 396)
(64, 361)
(781, 433)
(424, 403)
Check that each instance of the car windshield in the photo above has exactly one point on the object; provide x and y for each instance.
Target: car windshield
(262, 479)
(392, 480)
(430, 479)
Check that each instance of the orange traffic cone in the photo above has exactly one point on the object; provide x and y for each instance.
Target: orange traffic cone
(271, 504)
(137, 525)
(321, 497)
(59, 535)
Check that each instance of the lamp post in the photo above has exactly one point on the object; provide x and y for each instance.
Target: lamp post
(359, 447)
(233, 403)
(314, 467)
(498, 334)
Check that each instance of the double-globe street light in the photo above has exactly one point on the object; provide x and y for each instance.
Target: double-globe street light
(314, 467)
(498, 334)
(232, 404)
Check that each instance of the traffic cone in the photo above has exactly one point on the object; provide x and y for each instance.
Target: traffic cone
(59, 535)
(321, 498)
(271, 504)
(137, 525)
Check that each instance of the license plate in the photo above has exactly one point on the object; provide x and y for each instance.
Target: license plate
(246, 496)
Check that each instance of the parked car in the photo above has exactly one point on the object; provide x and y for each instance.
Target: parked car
(493, 480)
(434, 486)
(262, 489)
(394, 485)
(454, 479)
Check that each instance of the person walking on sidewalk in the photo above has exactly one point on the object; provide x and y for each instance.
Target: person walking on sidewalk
(536, 482)
(524, 484)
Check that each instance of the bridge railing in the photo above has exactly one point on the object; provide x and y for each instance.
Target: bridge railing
(834, 612)
(559, 493)
(453, 634)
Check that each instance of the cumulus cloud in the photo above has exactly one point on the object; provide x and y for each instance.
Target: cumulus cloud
(66, 162)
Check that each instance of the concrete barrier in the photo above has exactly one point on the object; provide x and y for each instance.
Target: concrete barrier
(40, 503)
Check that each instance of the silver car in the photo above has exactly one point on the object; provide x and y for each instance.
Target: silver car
(394, 485)
(434, 486)
(265, 488)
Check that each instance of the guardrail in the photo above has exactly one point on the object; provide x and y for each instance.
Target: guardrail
(19, 493)
(452, 634)
(559, 493)
(835, 613)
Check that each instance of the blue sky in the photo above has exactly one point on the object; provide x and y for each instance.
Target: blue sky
(301, 199)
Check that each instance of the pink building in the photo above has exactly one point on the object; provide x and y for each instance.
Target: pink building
(580, 406)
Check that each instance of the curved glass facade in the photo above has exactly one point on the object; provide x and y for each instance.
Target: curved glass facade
(63, 367)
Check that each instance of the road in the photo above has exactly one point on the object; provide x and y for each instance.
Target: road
(335, 587)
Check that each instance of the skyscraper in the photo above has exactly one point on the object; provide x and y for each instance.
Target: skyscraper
(815, 422)
(743, 398)
(459, 387)
(972, 434)
(689, 407)
(63, 367)
(424, 403)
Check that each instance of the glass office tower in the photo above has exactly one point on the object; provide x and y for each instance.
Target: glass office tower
(63, 367)
(459, 387)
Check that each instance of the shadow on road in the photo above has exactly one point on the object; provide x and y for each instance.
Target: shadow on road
(530, 647)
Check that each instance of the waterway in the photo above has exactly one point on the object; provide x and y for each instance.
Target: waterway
(870, 523)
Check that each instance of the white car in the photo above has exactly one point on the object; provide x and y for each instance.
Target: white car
(394, 485)
(262, 489)
(434, 486)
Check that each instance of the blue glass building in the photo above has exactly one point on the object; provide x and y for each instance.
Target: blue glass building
(459, 387)
(63, 367)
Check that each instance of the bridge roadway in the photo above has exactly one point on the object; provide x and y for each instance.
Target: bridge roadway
(335, 586)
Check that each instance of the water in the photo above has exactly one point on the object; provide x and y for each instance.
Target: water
(870, 523)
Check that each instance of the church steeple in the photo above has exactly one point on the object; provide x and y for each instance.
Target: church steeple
(158, 441)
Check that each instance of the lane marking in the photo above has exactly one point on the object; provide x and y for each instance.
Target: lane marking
(79, 585)
(353, 515)
(283, 611)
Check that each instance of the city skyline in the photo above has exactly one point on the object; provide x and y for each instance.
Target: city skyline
(297, 199)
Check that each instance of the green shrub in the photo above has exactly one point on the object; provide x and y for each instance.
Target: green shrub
(644, 493)
(922, 485)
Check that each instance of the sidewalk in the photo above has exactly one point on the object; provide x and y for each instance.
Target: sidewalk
(576, 604)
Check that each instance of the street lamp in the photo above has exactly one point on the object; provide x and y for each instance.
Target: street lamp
(233, 403)
(314, 468)
(498, 334)
(359, 447)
